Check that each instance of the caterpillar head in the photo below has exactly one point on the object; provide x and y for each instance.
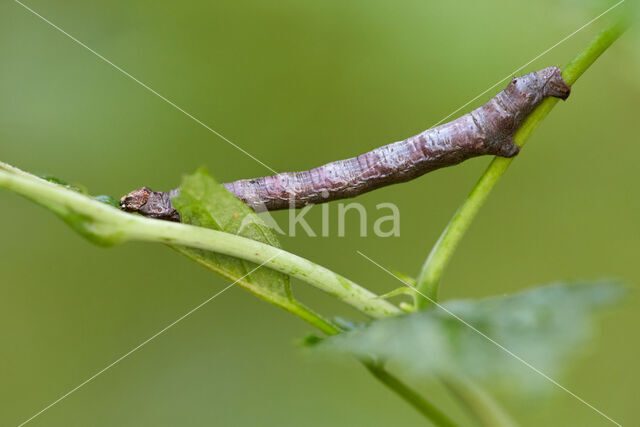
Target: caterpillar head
(152, 204)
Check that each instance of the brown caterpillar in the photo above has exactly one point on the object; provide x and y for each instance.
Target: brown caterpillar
(488, 129)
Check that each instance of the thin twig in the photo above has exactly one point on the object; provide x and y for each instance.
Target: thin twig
(429, 278)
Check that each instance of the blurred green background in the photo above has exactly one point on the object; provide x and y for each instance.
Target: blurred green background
(296, 84)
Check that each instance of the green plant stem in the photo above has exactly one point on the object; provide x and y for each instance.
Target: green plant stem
(106, 225)
(272, 257)
(480, 404)
(431, 273)
(410, 396)
(310, 316)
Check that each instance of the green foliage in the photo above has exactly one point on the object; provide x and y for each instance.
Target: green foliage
(203, 202)
(543, 326)
(461, 342)
(207, 203)
(55, 180)
(108, 200)
(409, 289)
(402, 290)
(410, 281)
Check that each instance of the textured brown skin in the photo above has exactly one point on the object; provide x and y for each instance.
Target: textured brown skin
(488, 129)
(152, 204)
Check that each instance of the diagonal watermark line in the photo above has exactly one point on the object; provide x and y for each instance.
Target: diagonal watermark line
(136, 348)
(165, 99)
(491, 340)
(529, 62)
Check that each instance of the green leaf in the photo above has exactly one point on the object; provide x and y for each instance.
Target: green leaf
(543, 326)
(108, 200)
(202, 201)
(79, 188)
(309, 340)
(408, 289)
(408, 280)
(402, 290)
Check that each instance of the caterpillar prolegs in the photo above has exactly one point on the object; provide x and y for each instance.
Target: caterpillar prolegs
(488, 129)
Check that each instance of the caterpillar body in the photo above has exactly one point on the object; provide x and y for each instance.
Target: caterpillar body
(488, 129)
